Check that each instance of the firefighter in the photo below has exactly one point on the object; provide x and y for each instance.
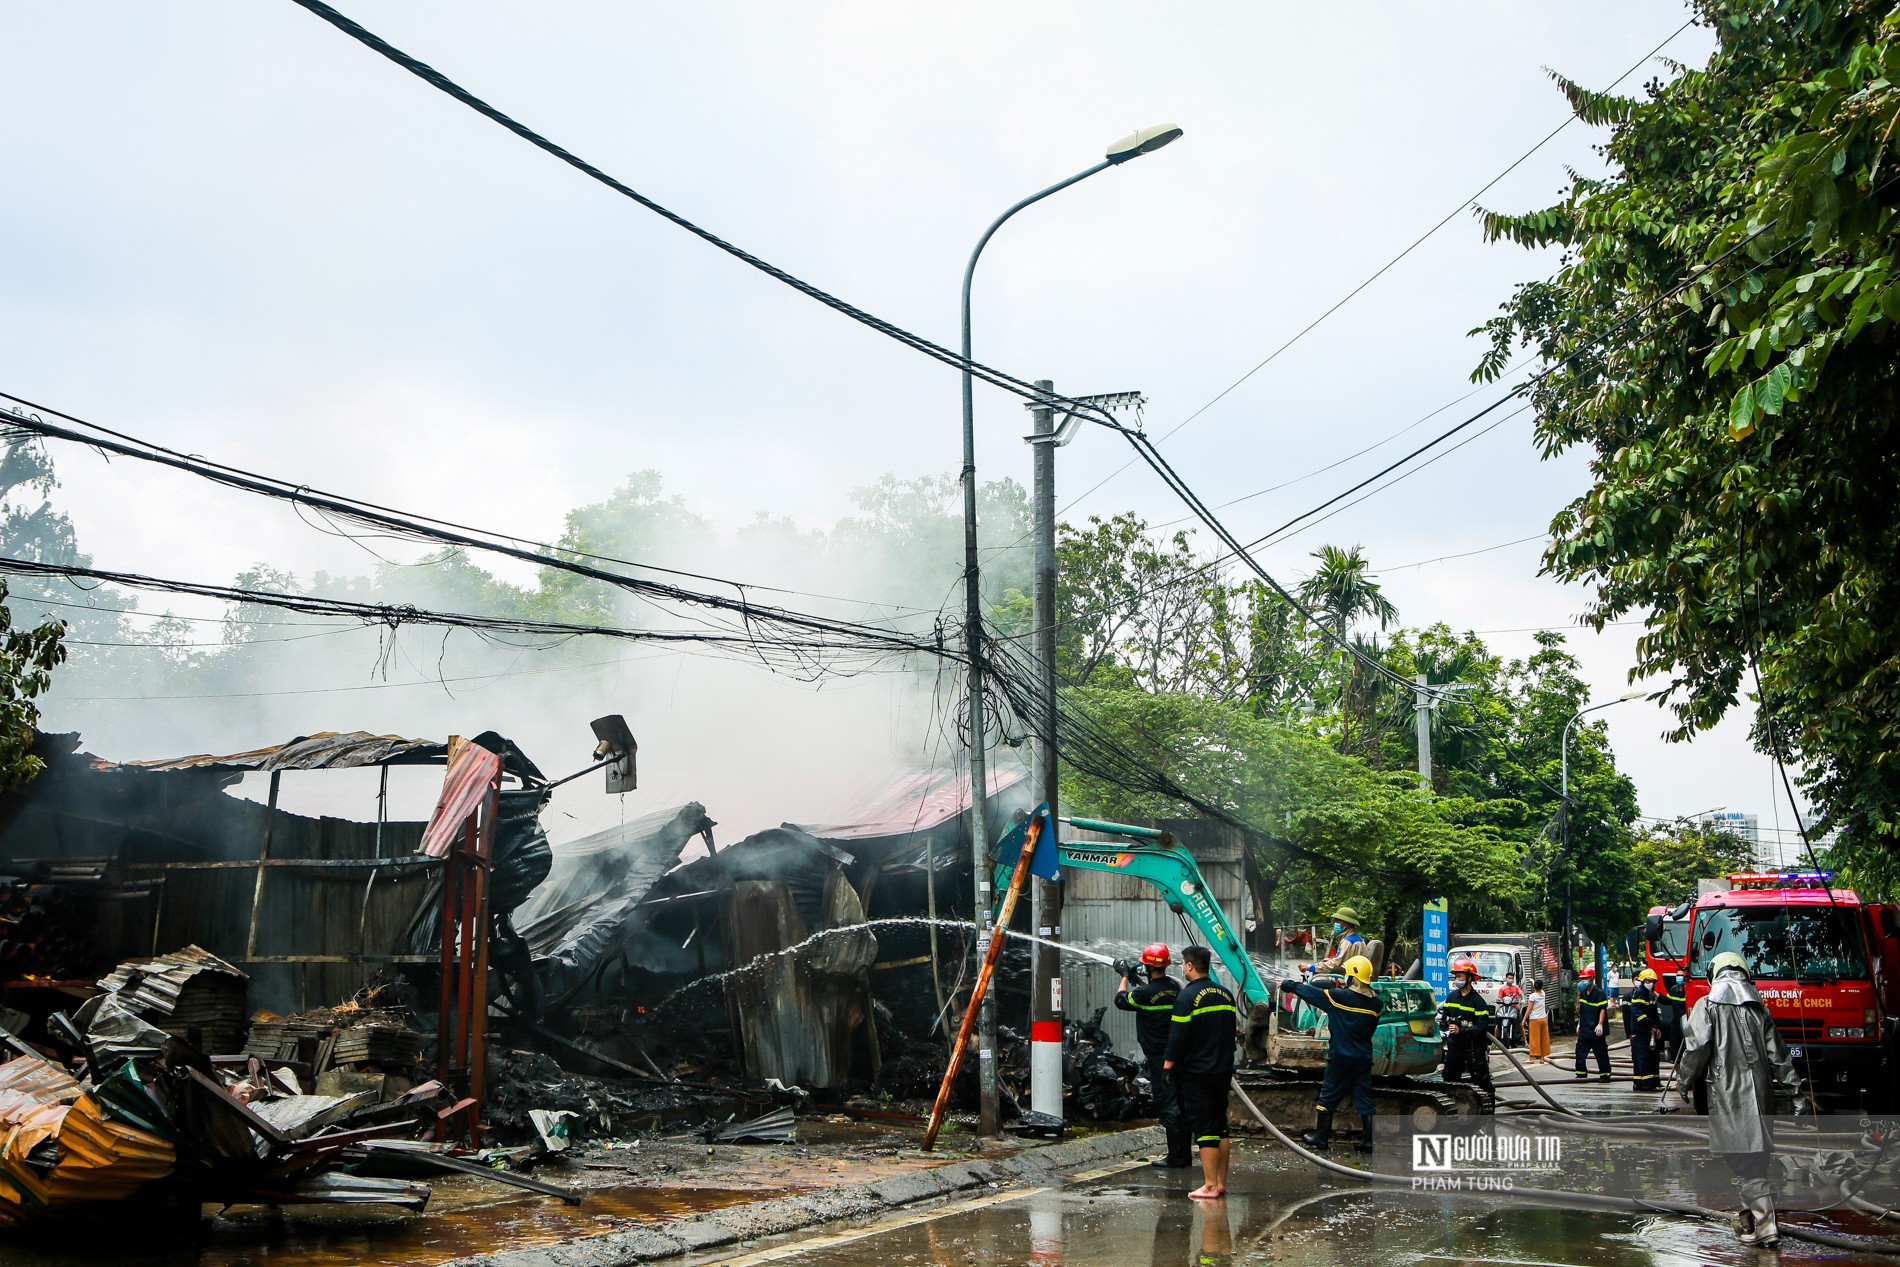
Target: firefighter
(1733, 1046)
(1466, 1018)
(1152, 1002)
(1593, 1024)
(1642, 1031)
(1669, 1014)
(1201, 1058)
(1352, 1014)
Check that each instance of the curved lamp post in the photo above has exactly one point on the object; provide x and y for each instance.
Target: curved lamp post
(1565, 747)
(1134, 145)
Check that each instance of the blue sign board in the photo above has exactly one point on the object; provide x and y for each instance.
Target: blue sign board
(1437, 942)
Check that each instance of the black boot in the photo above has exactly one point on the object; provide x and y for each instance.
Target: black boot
(1180, 1155)
(1320, 1138)
(1363, 1144)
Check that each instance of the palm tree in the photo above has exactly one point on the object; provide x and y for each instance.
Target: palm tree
(1342, 591)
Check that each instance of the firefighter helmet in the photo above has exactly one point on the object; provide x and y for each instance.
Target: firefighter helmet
(1359, 968)
(1589, 972)
(1647, 974)
(1155, 955)
(1464, 965)
(1726, 960)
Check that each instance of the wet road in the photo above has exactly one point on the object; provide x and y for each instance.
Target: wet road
(1278, 1211)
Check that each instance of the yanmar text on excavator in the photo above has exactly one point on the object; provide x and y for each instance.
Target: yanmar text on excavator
(1826, 963)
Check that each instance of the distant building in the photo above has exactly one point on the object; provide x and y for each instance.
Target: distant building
(1766, 853)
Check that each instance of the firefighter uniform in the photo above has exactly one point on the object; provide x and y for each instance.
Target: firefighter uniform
(1642, 1032)
(1593, 1025)
(1467, 1052)
(1201, 1048)
(1351, 1017)
(1670, 1011)
(1152, 1002)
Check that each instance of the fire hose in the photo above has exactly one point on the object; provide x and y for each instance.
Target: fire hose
(1587, 1200)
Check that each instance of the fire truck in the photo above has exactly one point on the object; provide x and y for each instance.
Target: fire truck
(1826, 963)
(1666, 938)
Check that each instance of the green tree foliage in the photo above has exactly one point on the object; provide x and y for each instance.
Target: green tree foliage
(1670, 858)
(1721, 328)
(1355, 835)
(27, 660)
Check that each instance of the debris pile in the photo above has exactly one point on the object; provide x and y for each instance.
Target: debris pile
(151, 1109)
(43, 923)
(347, 1050)
(190, 994)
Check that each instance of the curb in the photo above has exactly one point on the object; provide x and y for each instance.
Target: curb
(789, 1214)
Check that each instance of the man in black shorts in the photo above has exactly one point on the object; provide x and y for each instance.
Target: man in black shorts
(1201, 1058)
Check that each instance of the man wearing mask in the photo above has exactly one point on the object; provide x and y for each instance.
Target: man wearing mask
(1641, 1026)
(1152, 1002)
(1352, 1014)
(1346, 941)
(1734, 1055)
(1201, 1058)
(1593, 1025)
(1466, 1018)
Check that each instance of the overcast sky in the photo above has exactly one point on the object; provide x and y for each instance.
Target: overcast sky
(233, 230)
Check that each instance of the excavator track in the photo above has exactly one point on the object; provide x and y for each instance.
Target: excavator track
(1290, 1099)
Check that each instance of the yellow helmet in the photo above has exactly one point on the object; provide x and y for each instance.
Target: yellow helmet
(1647, 974)
(1359, 968)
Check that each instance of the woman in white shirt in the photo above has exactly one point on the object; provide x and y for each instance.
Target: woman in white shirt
(1537, 1023)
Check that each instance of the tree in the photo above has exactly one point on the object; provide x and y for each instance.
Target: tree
(1343, 591)
(1670, 858)
(27, 660)
(1720, 337)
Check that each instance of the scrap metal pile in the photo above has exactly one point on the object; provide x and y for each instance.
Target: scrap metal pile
(143, 1095)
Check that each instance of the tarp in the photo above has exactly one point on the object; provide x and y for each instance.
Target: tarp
(919, 801)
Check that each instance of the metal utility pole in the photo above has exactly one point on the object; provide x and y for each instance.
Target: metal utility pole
(1045, 1006)
(1426, 697)
(1045, 1000)
(1134, 145)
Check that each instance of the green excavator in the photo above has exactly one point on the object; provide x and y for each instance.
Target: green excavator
(1284, 1049)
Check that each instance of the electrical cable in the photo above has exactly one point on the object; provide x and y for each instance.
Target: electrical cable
(1382, 270)
(442, 83)
(797, 649)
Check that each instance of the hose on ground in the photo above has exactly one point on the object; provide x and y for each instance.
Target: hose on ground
(1587, 1200)
(1589, 1124)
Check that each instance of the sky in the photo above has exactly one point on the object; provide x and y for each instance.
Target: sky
(235, 231)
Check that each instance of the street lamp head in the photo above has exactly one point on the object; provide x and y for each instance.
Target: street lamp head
(1631, 695)
(1146, 141)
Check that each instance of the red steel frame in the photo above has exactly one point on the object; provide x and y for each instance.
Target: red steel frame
(461, 1040)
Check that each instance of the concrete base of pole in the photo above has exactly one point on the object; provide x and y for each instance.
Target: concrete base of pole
(1045, 1071)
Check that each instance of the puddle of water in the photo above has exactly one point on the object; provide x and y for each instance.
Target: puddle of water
(354, 1236)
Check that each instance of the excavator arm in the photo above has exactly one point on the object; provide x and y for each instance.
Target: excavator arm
(1153, 856)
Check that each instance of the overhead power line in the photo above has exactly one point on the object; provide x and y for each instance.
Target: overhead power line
(1381, 271)
(807, 649)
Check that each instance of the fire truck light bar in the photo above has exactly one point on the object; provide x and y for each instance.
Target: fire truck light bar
(1780, 877)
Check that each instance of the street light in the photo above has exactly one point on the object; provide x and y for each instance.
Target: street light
(1565, 753)
(1129, 147)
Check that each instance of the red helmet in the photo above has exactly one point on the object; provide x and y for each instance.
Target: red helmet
(1464, 965)
(1155, 955)
(1589, 973)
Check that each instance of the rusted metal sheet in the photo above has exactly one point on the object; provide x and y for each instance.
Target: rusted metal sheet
(326, 750)
(98, 1158)
(472, 773)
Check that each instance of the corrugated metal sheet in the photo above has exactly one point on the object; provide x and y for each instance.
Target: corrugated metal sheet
(472, 771)
(917, 802)
(1118, 915)
(328, 750)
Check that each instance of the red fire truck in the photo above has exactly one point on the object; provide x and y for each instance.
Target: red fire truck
(1666, 939)
(1825, 962)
